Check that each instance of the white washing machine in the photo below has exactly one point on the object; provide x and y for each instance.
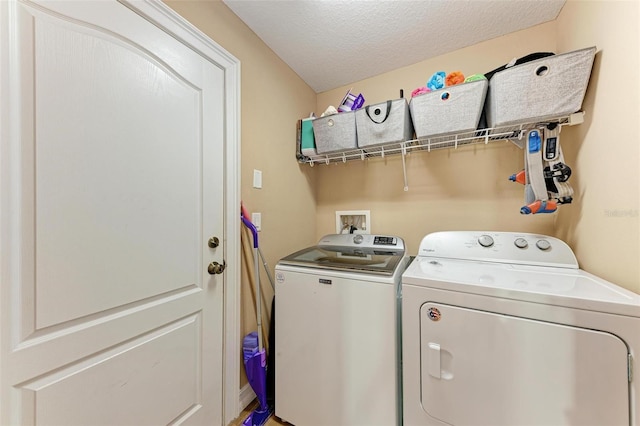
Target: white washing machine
(504, 329)
(337, 349)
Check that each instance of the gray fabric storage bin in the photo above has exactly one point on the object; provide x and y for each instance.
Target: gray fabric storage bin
(335, 132)
(545, 88)
(453, 109)
(384, 123)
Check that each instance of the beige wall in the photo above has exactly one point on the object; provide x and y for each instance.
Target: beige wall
(273, 99)
(602, 227)
(468, 188)
(461, 189)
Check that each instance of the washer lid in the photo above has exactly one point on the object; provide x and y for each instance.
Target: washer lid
(357, 259)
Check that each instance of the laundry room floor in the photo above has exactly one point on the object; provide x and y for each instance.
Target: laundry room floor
(273, 420)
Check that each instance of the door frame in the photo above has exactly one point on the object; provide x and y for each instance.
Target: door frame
(174, 24)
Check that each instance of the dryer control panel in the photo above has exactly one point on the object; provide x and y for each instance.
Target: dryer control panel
(503, 247)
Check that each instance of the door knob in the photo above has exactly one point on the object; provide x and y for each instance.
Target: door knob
(216, 268)
(213, 242)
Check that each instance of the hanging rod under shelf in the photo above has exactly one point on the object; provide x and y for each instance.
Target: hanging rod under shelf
(512, 132)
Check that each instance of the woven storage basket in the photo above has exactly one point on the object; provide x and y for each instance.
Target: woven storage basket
(335, 132)
(538, 90)
(384, 123)
(454, 109)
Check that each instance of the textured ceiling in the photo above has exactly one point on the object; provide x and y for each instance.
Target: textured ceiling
(331, 43)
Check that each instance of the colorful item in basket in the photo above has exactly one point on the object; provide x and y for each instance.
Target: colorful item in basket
(420, 91)
(475, 77)
(436, 81)
(307, 140)
(329, 111)
(351, 102)
(455, 77)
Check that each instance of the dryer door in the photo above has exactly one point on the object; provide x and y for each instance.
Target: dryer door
(483, 368)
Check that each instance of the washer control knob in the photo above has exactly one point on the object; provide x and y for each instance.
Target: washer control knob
(358, 239)
(485, 241)
(543, 245)
(521, 243)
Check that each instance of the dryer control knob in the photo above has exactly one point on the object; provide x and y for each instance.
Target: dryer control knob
(485, 241)
(521, 243)
(358, 239)
(543, 245)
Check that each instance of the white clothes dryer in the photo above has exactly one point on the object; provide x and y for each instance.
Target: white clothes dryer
(337, 336)
(504, 329)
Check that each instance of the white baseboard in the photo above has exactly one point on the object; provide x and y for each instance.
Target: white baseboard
(247, 395)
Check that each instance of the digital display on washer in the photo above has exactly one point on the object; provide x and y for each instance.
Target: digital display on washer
(384, 241)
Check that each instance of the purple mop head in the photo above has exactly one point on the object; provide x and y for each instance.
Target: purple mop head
(255, 365)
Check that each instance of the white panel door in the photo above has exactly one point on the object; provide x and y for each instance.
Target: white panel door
(483, 368)
(112, 184)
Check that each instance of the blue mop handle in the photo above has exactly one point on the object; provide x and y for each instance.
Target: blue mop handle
(253, 229)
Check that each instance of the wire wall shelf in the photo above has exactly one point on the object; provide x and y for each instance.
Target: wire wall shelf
(514, 133)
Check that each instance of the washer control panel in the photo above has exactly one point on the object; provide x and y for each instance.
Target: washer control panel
(386, 242)
(503, 247)
(380, 240)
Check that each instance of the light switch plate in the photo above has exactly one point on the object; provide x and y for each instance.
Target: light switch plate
(257, 179)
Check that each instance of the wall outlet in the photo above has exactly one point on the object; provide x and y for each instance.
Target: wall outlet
(357, 220)
(256, 219)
